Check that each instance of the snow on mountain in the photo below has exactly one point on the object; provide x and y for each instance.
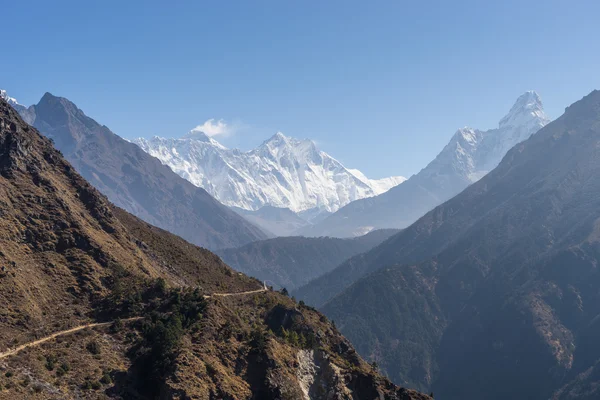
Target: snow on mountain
(469, 155)
(378, 185)
(281, 172)
(27, 113)
(472, 153)
(10, 100)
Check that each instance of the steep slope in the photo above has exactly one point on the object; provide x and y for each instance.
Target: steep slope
(497, 287)
(68, 258)
(283, 172)
(291, 262)
(274, 220)
(136, 181)
(468, 156)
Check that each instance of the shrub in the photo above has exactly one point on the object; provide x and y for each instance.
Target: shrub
(50, 362)
(93, 347)
(63, 369)
(258, 340)
(106, 378)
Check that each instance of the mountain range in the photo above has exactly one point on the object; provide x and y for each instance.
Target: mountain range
(494, 293)
(291, 262)
(470, 154)
(282, 172)
(490, 290)
(134, 180)
(96, 303)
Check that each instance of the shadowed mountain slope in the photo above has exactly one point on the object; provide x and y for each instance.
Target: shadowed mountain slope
(136, 181)
(497, 287)
(293, 261)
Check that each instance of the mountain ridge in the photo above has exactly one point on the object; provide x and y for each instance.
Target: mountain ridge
(497, 286)
(134, 180)
(468, 156)
(282, 172)
(293, 261)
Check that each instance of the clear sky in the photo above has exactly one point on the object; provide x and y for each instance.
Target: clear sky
(380, 85)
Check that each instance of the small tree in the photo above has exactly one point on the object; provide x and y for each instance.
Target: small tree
(285, 292)
(293, 338)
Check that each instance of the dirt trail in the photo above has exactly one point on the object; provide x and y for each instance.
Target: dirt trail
(264, 289)
(234, 294)
(22, 347)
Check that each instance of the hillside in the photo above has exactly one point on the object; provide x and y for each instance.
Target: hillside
(134, 180)
(69, 258)
(291, 262)
(497, 287)
(468, 156)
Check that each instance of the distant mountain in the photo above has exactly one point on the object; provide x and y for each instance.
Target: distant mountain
(468, 156)
(293, 261)
(136, 181)
(493, 294)
(283, 172)
(274, 220)
(69, 259)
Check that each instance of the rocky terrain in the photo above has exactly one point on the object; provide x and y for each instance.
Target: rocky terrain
(69, 258)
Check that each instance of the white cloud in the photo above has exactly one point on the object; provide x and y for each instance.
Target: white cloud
(215, 128)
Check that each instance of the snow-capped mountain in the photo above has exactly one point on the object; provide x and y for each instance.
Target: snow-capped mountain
(282, 172)
(10, 100)
(27, 113)
(470, 154)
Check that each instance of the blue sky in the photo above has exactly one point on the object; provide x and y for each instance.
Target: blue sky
(380, 85)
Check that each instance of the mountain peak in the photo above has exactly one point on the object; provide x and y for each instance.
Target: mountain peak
(283, 172)
(196, 135)
(10, 100)
(277, 139)
(200, 136)
(528, 107)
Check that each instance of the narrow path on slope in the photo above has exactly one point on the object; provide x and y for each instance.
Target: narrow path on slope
(22, 347)
(264, 289)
